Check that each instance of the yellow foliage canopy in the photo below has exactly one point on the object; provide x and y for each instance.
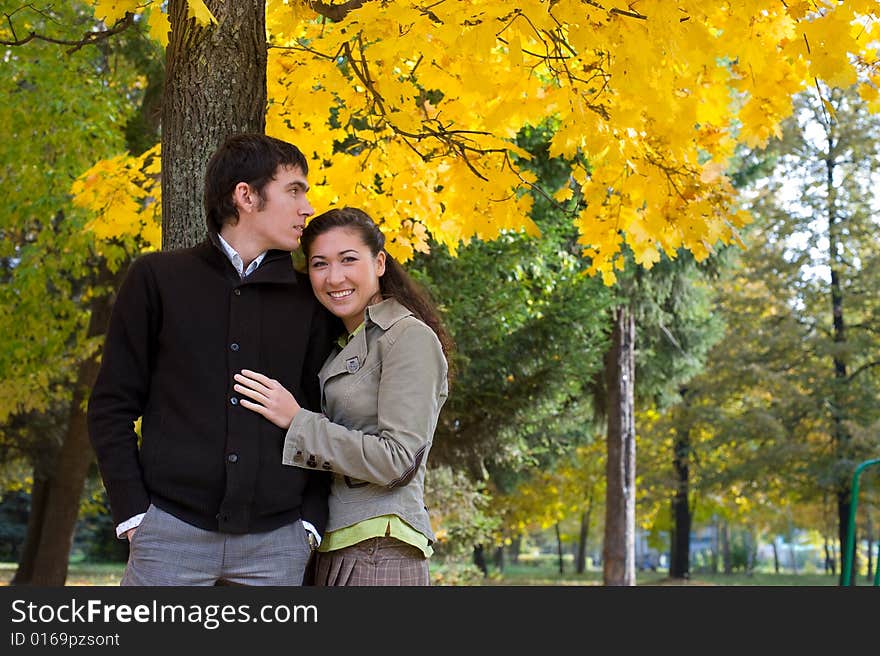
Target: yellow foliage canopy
(411, 107)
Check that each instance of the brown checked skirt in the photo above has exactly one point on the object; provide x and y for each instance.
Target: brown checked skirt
(372, 562)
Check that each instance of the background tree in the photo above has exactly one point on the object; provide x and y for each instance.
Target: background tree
(56, 279)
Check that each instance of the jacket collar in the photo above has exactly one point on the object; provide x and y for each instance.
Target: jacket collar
(386, 313)
(350, 359)
(277, 266)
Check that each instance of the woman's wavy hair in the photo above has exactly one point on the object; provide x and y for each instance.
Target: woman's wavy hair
(395, 283)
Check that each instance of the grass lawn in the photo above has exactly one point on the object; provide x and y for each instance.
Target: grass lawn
(548, 575)
(515, 575)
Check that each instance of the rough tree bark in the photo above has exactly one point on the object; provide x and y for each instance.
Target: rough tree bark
(215, 85)
(618, 551)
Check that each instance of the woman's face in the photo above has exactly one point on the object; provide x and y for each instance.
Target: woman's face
(345, 274)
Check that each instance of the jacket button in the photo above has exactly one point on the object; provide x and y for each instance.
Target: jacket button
(234, 400)
(232, 457)
(237, 292)
(234, 346)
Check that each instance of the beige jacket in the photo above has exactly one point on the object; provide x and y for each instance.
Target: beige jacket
(381, 396)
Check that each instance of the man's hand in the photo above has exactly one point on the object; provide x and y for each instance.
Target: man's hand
(268, 397)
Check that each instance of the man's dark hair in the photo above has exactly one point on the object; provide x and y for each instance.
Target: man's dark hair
(249, 157)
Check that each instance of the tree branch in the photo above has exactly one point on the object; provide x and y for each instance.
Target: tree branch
(87, 39)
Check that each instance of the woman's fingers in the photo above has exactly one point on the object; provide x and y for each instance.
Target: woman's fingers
(256, 395)
(257, 376)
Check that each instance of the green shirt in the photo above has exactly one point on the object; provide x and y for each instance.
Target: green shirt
(383, 526)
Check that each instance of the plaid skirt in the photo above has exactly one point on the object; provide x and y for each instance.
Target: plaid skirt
(372, 562)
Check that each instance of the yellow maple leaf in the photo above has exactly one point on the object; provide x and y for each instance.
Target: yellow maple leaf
(198, 10)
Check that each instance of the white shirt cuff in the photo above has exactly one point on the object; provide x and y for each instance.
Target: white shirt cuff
(129, 524)
(311, 529)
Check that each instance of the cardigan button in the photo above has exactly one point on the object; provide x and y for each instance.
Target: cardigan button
(237, 292)
(232, 457)
(234, 346)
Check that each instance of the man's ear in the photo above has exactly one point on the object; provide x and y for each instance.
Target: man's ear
(245, 198)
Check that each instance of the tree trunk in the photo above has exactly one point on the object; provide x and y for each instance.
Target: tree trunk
(559, 549)
(498, 558)
(24, 573)
(727, 564)
(583, 537)
(480, 559)
(830, 562)
(840, 434)
(64, 488)
(618, 552)
(515, 545)
(869, 535)
(679, 561)
(215, 85)
(776, 556)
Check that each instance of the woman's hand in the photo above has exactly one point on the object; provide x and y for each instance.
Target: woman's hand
(267, 397)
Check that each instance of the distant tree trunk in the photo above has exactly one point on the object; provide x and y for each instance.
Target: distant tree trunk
(498, 558)
(830, 561)
(869, 534)
(618, 552)
(515, 545)
(559, 549)
(583, 537)
(751, 545)
(24, 573)
(60, 507)
(215, 85)
(480, 559)
(840, 434)
(776, 556)
(679, 560)
(727, 563)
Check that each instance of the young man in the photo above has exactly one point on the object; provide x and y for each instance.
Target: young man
(204, 497)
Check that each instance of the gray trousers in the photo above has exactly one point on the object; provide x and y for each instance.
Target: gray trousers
(167, 551)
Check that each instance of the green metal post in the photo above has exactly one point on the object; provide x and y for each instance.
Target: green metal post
(846, 574)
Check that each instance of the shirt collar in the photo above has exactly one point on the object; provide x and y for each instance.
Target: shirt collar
(343, 340)
(236, 260)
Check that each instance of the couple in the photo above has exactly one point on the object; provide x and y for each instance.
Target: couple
(285, 420)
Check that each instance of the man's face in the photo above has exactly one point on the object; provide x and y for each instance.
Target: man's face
(281, 215)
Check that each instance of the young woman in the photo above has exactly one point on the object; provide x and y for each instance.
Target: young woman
(382, 390)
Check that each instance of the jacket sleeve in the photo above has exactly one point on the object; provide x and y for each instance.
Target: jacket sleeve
(120, 392)
(412, 390)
